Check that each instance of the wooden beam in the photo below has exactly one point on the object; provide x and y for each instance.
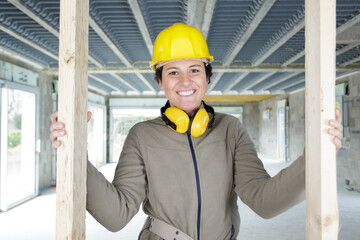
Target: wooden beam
(322, 219)
(71, 156)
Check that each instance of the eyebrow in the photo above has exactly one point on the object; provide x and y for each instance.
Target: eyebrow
(195, 65)
(174, 67)
(171, 68)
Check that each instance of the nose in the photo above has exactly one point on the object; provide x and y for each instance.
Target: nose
(185, 78)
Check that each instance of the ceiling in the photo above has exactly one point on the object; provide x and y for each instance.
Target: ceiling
(258, 45)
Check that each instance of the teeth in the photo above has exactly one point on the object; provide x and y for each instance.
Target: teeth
(186, 93)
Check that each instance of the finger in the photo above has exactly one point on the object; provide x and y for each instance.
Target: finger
(54, 117)
(89, 114)
(55, 134)
(338, 115)
(336, 124)
(56, 126)
(335, 133)
(56, 144)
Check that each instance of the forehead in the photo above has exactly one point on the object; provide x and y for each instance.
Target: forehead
(183, 64)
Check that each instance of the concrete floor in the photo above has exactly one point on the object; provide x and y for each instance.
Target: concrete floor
(35, 219)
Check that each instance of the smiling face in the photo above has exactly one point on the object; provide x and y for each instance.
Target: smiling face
(184, 83)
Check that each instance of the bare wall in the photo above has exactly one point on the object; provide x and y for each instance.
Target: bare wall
(349, 156)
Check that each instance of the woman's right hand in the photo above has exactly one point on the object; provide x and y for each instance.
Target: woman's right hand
(57, 129)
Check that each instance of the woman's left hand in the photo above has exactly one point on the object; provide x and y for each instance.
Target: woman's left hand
(336, 129)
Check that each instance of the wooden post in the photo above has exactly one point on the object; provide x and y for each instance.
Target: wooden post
(73, 88)
(322, 220)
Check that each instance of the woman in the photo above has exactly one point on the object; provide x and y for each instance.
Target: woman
(188, 166)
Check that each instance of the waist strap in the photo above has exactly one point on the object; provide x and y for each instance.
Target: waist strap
(164, 230)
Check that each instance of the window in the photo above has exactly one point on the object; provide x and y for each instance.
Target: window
(96, 135)
(121, 122)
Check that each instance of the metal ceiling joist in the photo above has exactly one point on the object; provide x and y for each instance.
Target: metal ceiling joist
(19, 37)
(117, 52)
(264, 9)
(290, 84)
(245, 69)
(22, 7)
(209, 10)
(253, 83)
(105, 83)
(239, 98)
(124, 82)
(142, 78)
(199, 14)
(215, 70)
(280, 80)
(25, 9)
(348, 24)
(26, 41)
(339, 30)
(345, 49)
(300, 25)
(108, 41)
(135, 8)
(193, 16)
(6, 52)
(346, 74)
(97, 90)
(239, 79)
(350, 61)
(302, 53)
(294, 58)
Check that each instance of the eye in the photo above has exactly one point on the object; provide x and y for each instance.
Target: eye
(194, 70)
(173, 73)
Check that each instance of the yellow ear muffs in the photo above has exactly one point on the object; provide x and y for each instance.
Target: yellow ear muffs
(179, 119)
(199, 123)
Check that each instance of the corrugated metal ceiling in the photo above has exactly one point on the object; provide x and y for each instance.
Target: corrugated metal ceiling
(258, 45)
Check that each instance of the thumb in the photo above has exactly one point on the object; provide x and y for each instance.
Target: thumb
(89, 114)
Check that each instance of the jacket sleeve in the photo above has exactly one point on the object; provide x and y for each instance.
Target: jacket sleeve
(265, 195)
(114, 204)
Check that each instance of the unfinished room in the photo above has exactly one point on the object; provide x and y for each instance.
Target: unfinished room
(180, 119)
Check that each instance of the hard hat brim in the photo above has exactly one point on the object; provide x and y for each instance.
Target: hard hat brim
(158, 64)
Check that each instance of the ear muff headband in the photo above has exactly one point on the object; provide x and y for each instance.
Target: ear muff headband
(179, 121)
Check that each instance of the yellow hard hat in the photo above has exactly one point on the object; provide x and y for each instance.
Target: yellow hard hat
(180, 41)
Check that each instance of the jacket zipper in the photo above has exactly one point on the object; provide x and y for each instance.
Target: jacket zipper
(197, 183)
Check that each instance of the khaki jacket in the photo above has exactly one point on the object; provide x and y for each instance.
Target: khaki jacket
(191, 183)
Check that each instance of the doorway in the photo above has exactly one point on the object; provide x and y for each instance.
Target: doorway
(18, 150)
